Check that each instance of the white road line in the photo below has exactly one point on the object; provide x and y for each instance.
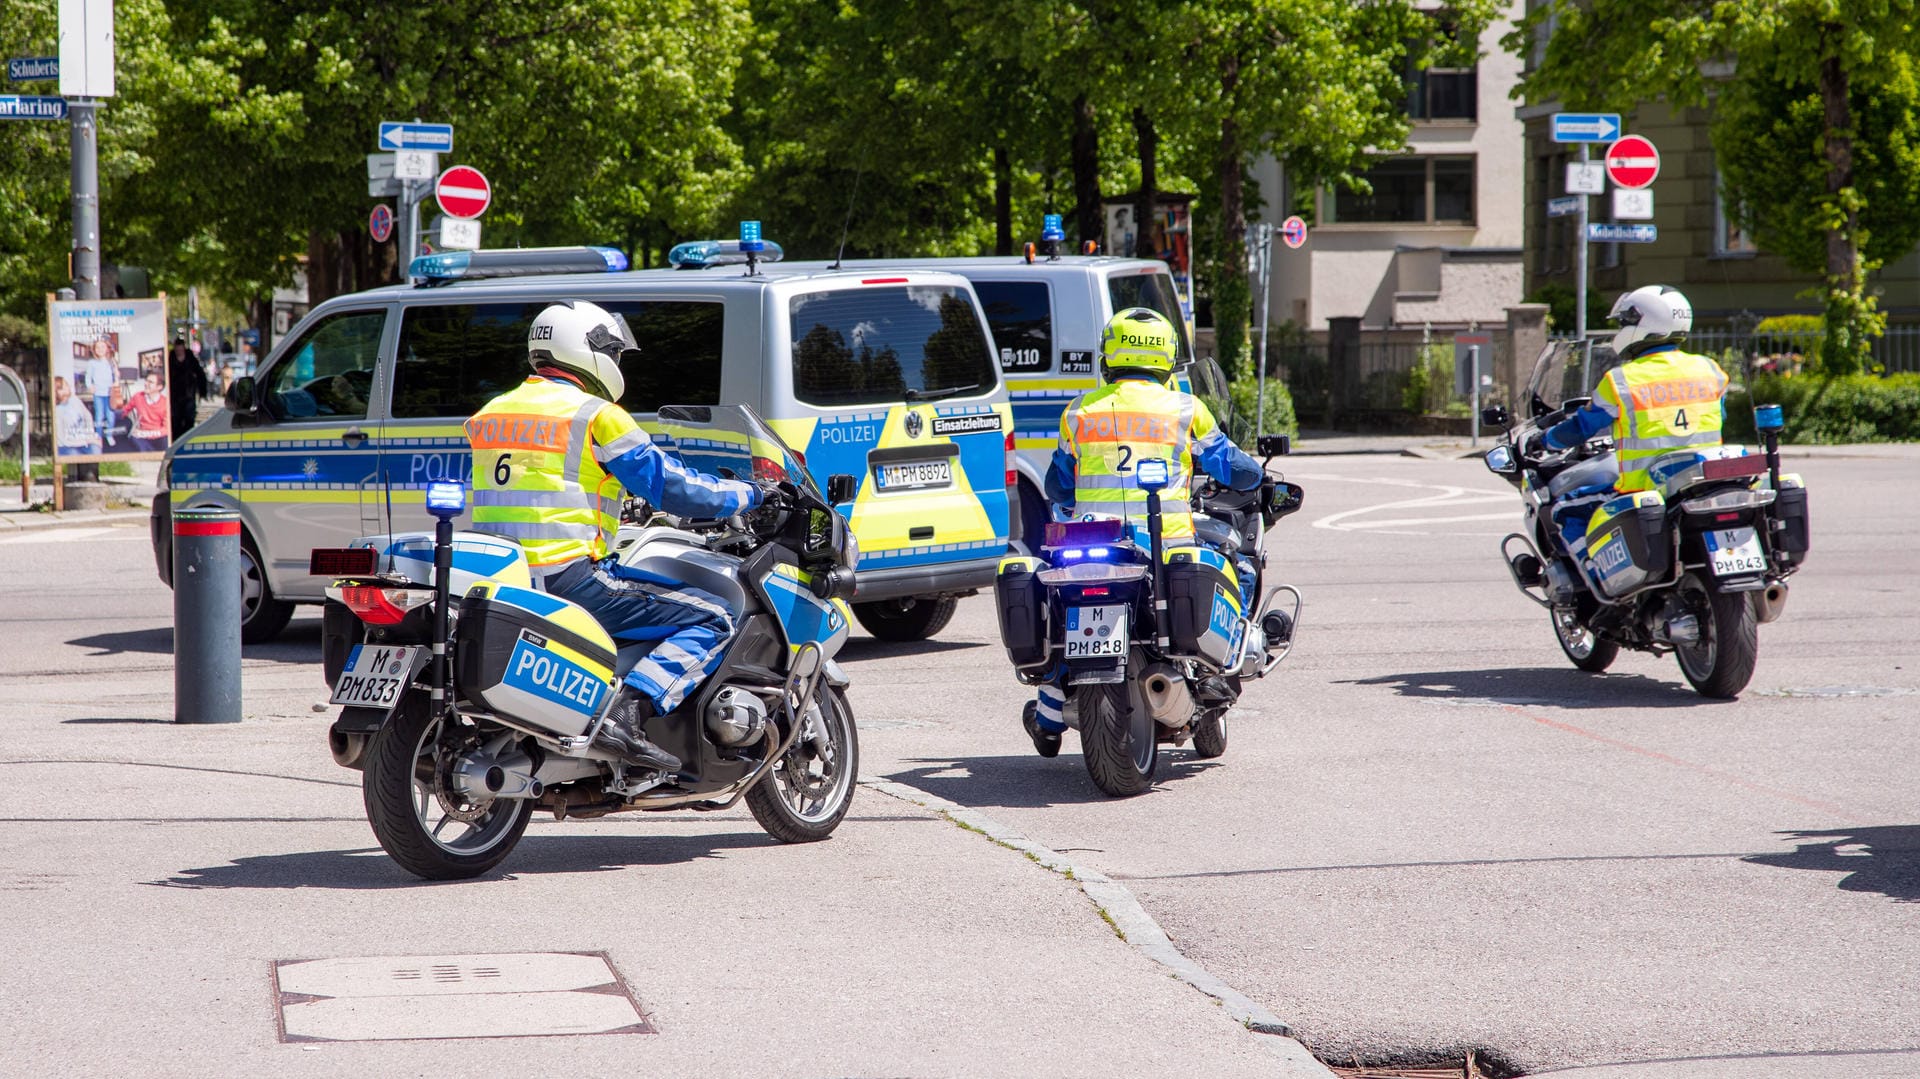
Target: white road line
(1449, 497)
(1399, 522)
(65, 535)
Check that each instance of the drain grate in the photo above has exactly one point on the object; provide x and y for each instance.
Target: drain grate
(400, 998)
(1470, 1065)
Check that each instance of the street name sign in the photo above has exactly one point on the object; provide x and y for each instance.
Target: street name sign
(1632, 204)
(1586, 178)
(398, 135)
(1293, 232)
(1633, 162)
(1622, 234)
(33, 68)
(463, 192)
(1564, 206)
(1586, 126)
(22, 107)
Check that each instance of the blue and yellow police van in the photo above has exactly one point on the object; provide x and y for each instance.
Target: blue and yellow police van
(888, 376)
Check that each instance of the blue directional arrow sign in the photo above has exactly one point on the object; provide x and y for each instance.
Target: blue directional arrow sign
(21, 107)
(33, 68)
(1586, 126)
(1622, 234)
(395, 135)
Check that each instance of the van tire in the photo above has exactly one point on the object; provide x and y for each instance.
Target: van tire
(914, 618)
(263, 617)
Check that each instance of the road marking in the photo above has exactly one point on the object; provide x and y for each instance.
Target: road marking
(1446, 497)
(66, 535)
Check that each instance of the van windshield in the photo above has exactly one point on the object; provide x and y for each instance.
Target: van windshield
(1153, 291)
(871, 345)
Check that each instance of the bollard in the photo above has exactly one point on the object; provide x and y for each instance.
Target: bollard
(207, 605)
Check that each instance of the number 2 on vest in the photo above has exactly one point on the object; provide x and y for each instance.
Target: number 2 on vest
(1126, 457)
(503, 472)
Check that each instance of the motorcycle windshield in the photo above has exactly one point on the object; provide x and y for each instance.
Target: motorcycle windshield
(1210, 386)
(1564, 371)
(729, 441)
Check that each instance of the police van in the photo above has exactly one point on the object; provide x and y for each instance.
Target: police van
(1046, 315)
(890, 377)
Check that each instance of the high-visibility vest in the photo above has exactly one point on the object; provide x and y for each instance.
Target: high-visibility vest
(1661, 402)
(536, 478)
(1110, 430)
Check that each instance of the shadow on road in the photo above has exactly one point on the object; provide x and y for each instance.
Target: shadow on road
(370, 868)
(865, 648)
(1888, 864)
(1557, 686)
(1027, 782)
(298, 643)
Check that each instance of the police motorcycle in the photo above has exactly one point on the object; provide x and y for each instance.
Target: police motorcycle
(474, 698)
(1691, 567)
(1155, 643)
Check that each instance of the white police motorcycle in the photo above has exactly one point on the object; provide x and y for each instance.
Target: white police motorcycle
(465, 719)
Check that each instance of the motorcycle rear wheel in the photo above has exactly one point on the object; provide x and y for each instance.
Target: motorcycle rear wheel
(399, 789)
(1117, 741)
(1721, 663)
(1582, 645)
(806, 795)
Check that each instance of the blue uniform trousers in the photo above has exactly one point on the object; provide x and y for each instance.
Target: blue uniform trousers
(692, 626)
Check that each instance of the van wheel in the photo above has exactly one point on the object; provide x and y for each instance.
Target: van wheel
(911, 619)
(262, 615)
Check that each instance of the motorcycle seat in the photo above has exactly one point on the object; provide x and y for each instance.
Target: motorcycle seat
(1215, 533)
(1597, 472)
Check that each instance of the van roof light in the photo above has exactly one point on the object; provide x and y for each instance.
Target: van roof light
(700, 254)
(1050, 229)
(447, 266)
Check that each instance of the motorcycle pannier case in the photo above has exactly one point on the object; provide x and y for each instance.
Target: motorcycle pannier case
(1022, 601)
(532, 659)
(1628, 544)
(1792, 541)
(1203, 605)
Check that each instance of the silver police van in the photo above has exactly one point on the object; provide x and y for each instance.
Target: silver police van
(888, 376)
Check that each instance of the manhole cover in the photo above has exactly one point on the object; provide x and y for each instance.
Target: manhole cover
(398, 997)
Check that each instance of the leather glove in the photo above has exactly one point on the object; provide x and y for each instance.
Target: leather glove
(1534, 444)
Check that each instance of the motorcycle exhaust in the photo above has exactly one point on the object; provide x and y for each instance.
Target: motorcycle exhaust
(349, 750)
(1682, 629)
(509, 775)
(1768, 604)
(1167, 696)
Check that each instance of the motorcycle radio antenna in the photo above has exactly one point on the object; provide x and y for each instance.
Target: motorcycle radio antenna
(386, 485)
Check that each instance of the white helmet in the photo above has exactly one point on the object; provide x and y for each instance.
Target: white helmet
(1649, 316)
(586, 341)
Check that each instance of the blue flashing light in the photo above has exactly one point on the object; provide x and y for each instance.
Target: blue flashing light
(446, 266)
(1050, 229)
(1769, 418)
(700, 254)
(1073, 554)
(615, 259)
(446, 498)
(1099, 552)
(750, 237)
(1151, 474)
(442, 266)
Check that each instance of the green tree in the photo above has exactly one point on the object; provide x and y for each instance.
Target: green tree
(1802, 72)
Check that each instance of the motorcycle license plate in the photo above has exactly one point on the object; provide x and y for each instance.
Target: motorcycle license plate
(375, 675)
(914, 474)
(1735, 550)
(1096, 631)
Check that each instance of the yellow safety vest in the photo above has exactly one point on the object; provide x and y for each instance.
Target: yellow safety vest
(1661, 402)
(536, 476)
(1110, 430)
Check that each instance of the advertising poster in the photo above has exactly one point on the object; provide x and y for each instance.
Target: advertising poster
(109, 378)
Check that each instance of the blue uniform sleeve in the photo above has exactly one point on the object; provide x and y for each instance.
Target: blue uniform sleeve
(650, 473)
(1577, 428)
(1062, 475)
(1227, 463)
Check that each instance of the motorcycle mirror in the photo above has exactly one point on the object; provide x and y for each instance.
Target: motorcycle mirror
(1274, 445)
(1287, 497)
(1494, 416)
(841, 488)
(1500, 461)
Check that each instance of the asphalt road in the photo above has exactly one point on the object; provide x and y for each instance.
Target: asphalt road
(1429, 833)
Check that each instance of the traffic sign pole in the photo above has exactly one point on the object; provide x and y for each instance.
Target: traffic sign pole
(1580, 277)
(83, 135)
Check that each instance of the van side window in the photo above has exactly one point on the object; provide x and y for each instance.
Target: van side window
(871, 345)
(454, 359)
(1153, 291)
(328, 372)
(1020, 316)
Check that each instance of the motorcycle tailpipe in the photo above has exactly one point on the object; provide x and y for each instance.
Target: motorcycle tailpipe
(1167, 698)
(1770, 601)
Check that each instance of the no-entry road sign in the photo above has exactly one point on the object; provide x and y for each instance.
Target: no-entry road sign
(462, 192)
(1632, 161)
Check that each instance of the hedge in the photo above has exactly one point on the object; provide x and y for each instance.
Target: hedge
(1849, 408)
(1279, 412)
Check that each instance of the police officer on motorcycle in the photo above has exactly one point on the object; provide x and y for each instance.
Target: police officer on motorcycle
(1659, 399)
(550, 460)
(1137, 415)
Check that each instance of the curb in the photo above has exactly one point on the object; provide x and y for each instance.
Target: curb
(1129, 920)
(28, 520)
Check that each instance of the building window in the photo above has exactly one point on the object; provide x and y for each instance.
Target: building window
(1728, 237)
(1450, 88)
(1408, 190)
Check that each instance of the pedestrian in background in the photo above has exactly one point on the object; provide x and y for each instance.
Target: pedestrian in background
(187, 382)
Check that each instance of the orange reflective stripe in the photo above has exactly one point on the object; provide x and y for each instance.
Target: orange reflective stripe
(1674, 391)
(1116, 426)
(519, 431)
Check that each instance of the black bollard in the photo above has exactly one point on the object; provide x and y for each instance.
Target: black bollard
(207, 605)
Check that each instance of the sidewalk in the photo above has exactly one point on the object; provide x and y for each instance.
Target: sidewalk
(139, 489)
(1440, 447)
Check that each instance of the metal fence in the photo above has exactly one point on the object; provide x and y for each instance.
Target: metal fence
(1895, 352)
(1370, 387)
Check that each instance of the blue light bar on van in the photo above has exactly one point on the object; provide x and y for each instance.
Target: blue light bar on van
(750, 237)
(438, 269)
(699, 254)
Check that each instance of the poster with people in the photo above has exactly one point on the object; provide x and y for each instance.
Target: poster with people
(109, 378)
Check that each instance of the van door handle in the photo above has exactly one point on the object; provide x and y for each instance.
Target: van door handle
(353, 436)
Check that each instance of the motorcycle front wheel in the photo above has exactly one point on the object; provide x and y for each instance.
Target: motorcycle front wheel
(1720, 663)
(806, 795)
(1117, 740)
(420, 821)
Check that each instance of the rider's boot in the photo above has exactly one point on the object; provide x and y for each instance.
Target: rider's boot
(623, 733)
(1045, 742)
